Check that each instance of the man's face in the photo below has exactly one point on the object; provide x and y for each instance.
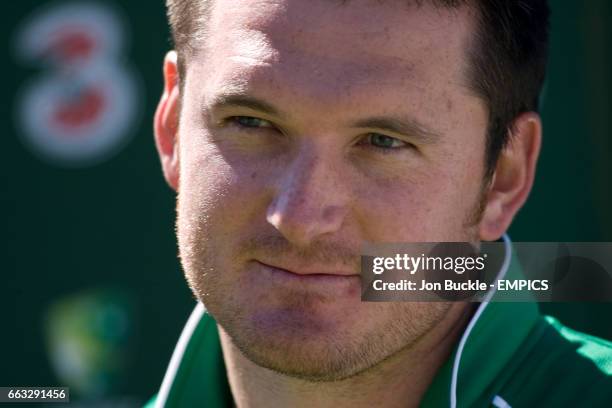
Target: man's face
(306, 130)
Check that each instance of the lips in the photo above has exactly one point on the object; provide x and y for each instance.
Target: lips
(311, 270)
(326, 282)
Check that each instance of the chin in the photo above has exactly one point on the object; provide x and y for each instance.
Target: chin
(321, 344)
(311, 341)
(312, 353)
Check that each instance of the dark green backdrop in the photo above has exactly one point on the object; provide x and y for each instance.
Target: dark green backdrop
(104, 233)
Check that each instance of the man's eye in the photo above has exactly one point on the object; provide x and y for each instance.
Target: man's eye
(250, 122)
(385, 142)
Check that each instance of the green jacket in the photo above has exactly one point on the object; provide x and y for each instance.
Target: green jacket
(508, 356)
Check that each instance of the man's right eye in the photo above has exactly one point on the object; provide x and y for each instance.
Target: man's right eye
(249, 122)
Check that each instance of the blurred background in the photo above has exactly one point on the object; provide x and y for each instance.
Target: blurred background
(92, 295)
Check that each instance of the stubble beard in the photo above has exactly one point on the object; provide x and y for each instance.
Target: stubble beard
(297, 353)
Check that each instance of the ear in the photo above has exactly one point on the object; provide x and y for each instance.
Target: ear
(513, 177)
(166, 122)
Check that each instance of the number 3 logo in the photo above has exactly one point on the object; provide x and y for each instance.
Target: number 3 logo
(81, 109)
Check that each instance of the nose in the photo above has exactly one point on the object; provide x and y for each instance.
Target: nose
(311, 198)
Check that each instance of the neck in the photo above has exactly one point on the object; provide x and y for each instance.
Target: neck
(398, 381)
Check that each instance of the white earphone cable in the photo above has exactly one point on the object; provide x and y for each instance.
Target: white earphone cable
(472, 323)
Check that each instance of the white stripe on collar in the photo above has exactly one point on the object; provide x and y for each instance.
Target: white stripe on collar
(177, 355)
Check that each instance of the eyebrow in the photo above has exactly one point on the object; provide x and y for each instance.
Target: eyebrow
(403, 126)
(243, 101)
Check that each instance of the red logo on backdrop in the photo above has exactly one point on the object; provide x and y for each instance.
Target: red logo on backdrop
(81, 109)
(73, 43)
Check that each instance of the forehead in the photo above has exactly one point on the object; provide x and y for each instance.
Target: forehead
(328, 48)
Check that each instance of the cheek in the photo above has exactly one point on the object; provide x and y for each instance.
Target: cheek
(205, 182)
(428, 207)
(395, 214)
(218, 194)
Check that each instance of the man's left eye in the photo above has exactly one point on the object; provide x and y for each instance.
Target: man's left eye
(384, 141)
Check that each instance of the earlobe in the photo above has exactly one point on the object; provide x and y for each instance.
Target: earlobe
(513, 177)
(166, 122)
